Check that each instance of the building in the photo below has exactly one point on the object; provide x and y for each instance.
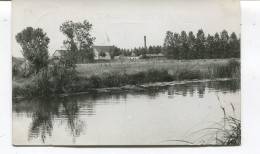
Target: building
(100, 52)
(58, 53)
(103, 52)
(133, 56)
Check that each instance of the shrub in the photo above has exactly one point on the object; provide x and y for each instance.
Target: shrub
(136, 78)
(19, 68)
(188, 74)
(112, 79)
(95, 81)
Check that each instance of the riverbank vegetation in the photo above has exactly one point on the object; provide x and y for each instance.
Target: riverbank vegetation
(59, 80)
(226, 132)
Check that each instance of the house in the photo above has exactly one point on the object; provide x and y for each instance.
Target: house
(58, 53)
(100, 52)
(103, 52)
(133, 56)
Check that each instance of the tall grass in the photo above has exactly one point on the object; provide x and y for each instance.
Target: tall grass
(226, 132)
(231, 70)
(132, 67)
(56, 80)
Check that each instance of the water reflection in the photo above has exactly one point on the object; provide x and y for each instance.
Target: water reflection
(43, 111)
(41, 126)
(70, 111)
(200, 87)
(70, 108)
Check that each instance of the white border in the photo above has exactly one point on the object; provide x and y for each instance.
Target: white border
(250, 33)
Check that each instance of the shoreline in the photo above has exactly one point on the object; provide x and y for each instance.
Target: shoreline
(133, 88)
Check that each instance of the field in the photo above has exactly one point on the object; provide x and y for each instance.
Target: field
(135, 66)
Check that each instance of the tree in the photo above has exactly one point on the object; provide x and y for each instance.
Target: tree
(171, 43)
(184, 49)
(200, 45)
(191, 45)
(157, 49)
(34, 43)
(216, 46)
(150, 50)
(234, 46)
(224, 43)
(114, 51)
(209, 47)
(79, 42)
(102, 54)
(136, 51)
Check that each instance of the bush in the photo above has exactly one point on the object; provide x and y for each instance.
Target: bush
(19, 68)
(136, 78)
(188, 75)
(95, 81)
(62, 77)
(112, 79)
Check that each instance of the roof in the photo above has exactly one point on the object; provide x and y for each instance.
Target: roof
(59, 52)
(105, 49)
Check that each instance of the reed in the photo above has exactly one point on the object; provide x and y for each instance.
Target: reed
(227, 132)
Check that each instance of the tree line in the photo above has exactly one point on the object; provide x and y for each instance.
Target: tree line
(142, 51)
(189, 46)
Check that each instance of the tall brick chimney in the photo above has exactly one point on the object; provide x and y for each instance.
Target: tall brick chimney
(145, 42)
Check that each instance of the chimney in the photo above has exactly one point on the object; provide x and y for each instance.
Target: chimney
(145, 42)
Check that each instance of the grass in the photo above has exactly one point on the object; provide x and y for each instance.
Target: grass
(141, 65)
(118, 74)
(226, 132)
(178, 69)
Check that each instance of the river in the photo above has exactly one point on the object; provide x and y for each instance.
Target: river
(157, 116)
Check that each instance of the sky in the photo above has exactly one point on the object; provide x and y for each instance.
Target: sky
(124, 23)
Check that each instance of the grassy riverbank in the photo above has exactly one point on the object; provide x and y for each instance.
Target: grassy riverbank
(142, 65)
(91, 76)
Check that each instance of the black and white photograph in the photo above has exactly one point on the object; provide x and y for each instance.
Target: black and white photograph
(126, 73)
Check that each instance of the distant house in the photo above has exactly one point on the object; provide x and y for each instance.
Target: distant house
(102, 52)
(133, 56)
(136, 57)
(58, 53)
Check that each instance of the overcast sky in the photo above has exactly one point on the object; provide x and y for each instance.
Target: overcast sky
(123, 23)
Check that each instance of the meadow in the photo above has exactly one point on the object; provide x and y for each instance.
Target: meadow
(142, 65)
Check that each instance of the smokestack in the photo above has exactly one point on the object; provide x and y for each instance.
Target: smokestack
(145, 42)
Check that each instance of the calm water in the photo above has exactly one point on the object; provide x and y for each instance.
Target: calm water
(147, 118)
